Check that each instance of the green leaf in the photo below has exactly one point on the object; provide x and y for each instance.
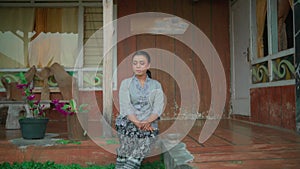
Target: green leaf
(65, 107)
(62, 141)
(36, 111)
(112, 142)
(73, 105)
(237, 162)
(67, 142)
(22, 78)
(81, 108)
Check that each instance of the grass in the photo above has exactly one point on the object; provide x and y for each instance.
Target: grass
(62, 141)
(52, 165)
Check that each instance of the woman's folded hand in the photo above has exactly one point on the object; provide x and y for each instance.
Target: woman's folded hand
(147, 126)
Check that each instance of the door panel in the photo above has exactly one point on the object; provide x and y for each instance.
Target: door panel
(240, 67)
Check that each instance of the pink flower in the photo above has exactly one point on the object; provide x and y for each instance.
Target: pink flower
(22, 86)
(31, 97)
(55, 101)
(37, 102)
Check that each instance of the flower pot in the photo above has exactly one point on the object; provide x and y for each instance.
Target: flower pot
(33, 128)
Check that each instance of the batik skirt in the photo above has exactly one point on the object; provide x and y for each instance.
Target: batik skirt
(134, 143)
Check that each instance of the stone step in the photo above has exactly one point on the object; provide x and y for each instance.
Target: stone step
(176, 156)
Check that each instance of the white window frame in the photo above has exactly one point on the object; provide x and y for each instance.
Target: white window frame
(80, 69)
(272, 44)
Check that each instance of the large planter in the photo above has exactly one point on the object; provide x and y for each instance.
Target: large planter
(33, 128)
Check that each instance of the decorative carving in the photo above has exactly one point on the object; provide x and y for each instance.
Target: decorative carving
(260, 74)
(92, 79)
(278, 69)
(284, 70)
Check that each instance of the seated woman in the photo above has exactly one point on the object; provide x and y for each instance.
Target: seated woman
(141, 104)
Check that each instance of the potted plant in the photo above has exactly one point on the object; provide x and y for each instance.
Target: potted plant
(33, 124)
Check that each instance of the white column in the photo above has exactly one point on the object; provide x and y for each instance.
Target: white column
(108, 32)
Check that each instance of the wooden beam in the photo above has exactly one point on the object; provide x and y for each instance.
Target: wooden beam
(108, 33)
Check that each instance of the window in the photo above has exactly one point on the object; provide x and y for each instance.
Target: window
(38, 36)
(272, 43)
(41, 33)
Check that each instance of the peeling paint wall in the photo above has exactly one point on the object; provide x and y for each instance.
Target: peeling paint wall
(274, 106)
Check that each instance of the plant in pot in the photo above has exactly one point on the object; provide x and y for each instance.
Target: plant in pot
(34, 122)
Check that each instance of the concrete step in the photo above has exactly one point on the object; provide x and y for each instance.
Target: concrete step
(176, 156)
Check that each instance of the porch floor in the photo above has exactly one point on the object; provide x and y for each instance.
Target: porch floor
(234, 144)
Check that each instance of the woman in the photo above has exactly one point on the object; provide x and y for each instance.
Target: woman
(141, 104)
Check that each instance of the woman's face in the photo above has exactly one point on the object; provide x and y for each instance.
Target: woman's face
(140, 65)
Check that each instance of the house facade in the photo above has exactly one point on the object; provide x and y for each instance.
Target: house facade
(257, 43)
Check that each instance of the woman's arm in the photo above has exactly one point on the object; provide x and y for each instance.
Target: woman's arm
(158, 102)
(158, 106)
(126, 108)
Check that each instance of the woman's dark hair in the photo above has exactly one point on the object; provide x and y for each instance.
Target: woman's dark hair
(140, 52)
(149, 74)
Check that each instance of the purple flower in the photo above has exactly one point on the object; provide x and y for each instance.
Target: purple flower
(62, 108)
(40, 113)
(30, 97)
(55, 101)
(37, 102)
(35, 107)
(22, 86)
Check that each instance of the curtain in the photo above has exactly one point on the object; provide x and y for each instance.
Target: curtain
(38, 36)
(283, 9)
(56, 38)
(70, 20)
(261, 11)
(16, 28)
(291, 4)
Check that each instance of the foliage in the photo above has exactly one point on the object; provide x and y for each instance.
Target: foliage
(38, 110)
(35, 107)
(62, 141)
(153, 165)
(68, 109)
(52, 165)
(63, 108)
(112, 141)
(49, 165)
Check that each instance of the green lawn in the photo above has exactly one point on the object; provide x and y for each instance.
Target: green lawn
(52, 165)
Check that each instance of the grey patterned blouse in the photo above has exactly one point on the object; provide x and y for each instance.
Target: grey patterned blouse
(142, 101)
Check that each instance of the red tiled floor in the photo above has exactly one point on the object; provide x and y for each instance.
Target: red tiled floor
(234, 144)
